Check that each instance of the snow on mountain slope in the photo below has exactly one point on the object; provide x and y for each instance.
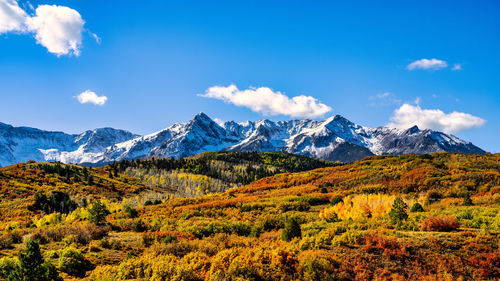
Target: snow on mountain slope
(20, 144)
(179, 140)
(89, 146)
(334, 138)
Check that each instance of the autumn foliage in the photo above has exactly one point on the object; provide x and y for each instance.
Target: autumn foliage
(440, 223)
(382, 218)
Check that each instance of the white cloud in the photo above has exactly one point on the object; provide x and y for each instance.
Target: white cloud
(431, 64)
(268, 102)
(456, 67)
(91, 97)
(57, 28)
(409, 115)
(12, 17)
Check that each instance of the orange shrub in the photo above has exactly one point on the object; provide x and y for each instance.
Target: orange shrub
(488, 265)
(440, 223)
(389, 246)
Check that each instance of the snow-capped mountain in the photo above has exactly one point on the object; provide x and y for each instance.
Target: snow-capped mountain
(21, 144)
(334, 138)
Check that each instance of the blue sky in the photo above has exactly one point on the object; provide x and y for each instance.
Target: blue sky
(155, 59)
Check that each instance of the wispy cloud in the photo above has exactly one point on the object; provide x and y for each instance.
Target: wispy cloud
(268, 102)
(97, 39)
(383, 95)
(91, 97)
(384, 99)
(409, 115)
(456, 67)
(417, 100)
(427, 64)
(57, 28)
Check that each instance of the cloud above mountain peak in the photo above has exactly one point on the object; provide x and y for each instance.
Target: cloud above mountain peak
(268, 102)
(409, 115)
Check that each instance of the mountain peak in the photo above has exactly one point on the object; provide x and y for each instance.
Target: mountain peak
(337, 118)
(202, 120)
(414, 129)
(202, 116)
(337, 121)
(335, 138)
(203, 124)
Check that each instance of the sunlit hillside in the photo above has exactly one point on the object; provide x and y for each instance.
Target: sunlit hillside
(410, 217)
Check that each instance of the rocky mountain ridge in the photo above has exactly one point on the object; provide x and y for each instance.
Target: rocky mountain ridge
(334, 138)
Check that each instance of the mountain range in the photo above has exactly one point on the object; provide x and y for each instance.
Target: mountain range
(335, 139)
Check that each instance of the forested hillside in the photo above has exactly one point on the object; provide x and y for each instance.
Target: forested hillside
(214, 171)
(410, 217)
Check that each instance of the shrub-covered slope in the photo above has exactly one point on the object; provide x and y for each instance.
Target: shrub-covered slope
(430, 217)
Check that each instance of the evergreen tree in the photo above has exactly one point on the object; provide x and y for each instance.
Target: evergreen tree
(98, 212)
(32, 266)
(90, 180)
(467, 200)
(291, 230)
(336, 200)
(52, 274)
(131, 212)
(417, 208)
(398, 212)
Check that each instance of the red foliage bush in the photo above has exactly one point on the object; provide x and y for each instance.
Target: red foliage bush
(389, 246)
(440, 223)
(488, 265)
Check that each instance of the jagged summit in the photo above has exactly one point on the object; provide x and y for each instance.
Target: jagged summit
(412, 130)
(202, 116)
(335, 138)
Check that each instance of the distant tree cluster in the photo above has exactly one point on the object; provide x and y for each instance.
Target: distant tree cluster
(68, 172)
(225, 168)
(56, 201)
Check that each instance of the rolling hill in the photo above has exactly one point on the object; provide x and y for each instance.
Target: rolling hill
(409, 217)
